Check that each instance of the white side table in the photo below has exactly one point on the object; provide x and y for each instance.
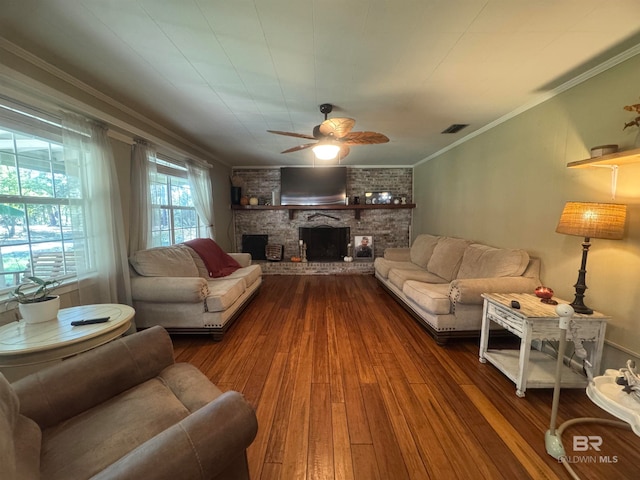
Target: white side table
(26, 348)
(535, 320)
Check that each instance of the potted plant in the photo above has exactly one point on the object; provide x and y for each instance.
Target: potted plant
(635, 122)
(35, 301)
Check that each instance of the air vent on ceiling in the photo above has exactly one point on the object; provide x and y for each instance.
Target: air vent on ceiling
(455, 128)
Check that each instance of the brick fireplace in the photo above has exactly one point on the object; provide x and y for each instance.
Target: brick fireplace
(389, 228)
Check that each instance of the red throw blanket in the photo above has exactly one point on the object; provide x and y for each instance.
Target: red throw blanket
(218, 262)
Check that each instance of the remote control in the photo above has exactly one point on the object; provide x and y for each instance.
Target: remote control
(77, 323)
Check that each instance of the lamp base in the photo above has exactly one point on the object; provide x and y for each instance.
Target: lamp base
(580, 307)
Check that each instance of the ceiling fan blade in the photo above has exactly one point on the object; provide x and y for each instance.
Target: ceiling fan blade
(291, 134)
(338, 127)
(344, 151)
(299, 147)
(364, 138)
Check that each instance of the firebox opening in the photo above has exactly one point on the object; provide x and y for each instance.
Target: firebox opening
(325, 243)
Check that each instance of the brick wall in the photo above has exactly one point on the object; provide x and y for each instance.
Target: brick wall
(389, 228)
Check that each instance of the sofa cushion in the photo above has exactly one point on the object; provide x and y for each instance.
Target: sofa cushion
(250, 274)
(398, 276)
(447, 257)
(433, 298)
(382, 266)
(163, 262)
(222, 293)
(422, 249)
(482, 261)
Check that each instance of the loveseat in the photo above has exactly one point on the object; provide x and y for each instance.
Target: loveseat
(440, 280)
(189, 291)
(122, 411)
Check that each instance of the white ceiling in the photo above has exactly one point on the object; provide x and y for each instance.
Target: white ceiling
(220, 73)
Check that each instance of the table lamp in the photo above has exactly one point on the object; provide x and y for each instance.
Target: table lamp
(590, 220)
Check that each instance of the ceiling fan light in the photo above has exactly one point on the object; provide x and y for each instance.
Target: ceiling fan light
(326, 150)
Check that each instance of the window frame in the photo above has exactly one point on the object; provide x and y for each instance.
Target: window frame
(21, 121)
(172, 168)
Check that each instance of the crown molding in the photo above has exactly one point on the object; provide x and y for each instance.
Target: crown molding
(543, 97)
(86, 108)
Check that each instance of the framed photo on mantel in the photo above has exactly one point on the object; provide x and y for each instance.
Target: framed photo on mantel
(363, 247)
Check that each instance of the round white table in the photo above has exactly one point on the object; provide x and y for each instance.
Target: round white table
(26, 348)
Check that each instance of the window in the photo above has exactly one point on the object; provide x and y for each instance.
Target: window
(38, 200)
(174, 215)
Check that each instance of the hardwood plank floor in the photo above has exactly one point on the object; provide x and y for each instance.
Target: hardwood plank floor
(347, 385)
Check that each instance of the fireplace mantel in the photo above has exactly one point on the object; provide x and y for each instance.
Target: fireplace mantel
(292, 208)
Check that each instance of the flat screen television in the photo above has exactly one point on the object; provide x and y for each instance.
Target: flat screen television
(313, 186)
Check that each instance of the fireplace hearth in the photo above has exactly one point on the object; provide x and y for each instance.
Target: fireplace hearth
(325, 243)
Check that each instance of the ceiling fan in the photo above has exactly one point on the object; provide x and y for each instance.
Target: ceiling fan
(335, 132)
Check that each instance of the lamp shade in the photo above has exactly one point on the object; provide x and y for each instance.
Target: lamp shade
(593, 220)
(326, 150)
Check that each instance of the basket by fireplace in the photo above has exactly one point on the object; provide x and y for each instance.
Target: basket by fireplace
(274, 252)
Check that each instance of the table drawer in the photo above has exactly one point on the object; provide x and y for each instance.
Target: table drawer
(505, 318)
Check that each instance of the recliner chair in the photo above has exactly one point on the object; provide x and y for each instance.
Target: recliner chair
(124, 410)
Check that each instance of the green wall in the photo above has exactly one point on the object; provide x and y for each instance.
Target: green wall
(507, 187)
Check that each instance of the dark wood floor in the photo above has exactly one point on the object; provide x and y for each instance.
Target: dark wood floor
(347, 385)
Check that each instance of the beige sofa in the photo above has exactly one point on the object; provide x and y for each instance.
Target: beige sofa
(171, 287)
(124, 410)
(440, 281)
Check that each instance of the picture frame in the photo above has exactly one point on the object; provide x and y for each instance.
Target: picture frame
(363, 249)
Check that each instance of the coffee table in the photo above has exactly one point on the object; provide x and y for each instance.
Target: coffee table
(26, 348)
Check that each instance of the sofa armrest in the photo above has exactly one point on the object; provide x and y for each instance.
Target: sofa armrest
(244, 259)
(469, 290)
(202, 445)
(68, 388)
(397, 254)
(169, 289)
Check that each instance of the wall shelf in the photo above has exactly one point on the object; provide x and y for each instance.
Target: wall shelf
(618, 158)
(292, 208)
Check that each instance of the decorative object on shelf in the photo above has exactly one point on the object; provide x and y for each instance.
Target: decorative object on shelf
(356, 200)
(602, 150)
(37, 305)
(377, 198)
(545, 295)
(590, 220)
(635, 122)
(236, 189)
(253, 201)
(244, 200)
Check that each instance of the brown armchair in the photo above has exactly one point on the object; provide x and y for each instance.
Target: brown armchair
(127, 411)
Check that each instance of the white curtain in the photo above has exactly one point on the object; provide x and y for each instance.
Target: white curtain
(200, 183)
(99, 240)
(143, 168)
